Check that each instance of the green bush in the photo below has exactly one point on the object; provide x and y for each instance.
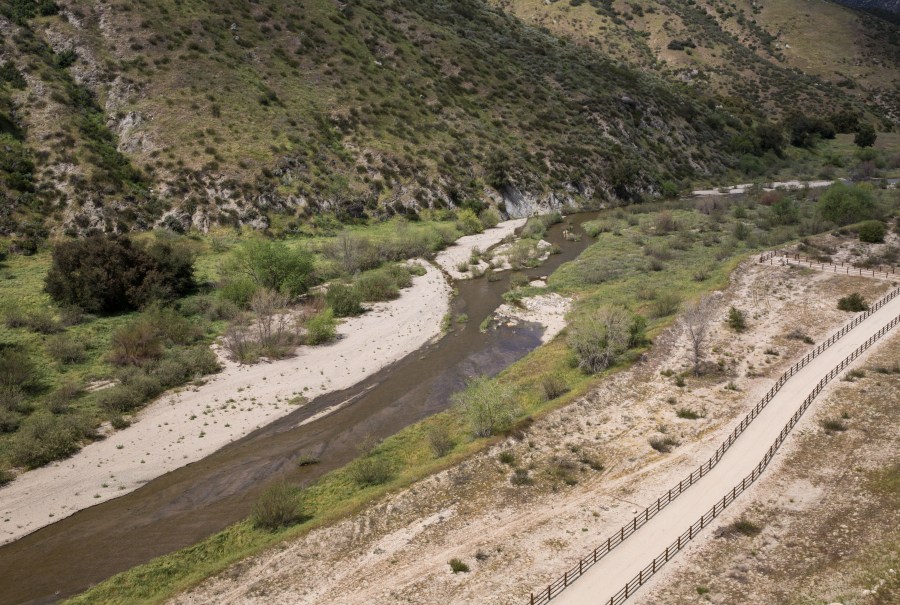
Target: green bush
(489, 218)
(467, 222)
(844, 204)
(490, 406)
(872, 232)
(737, 320)
(458, 566)
(9, 421)
(278, 506)
(44, 438)
(370, 470)
(238, 291)
(853, 302)
(321, 328)
(343, 300)
(108, 273)
(377, 285)
(65, 349)
(272, 265)
(600, 339)
(17, 370)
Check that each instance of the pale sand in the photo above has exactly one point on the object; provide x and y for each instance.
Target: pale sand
(183, 427)
(743, 188)
(549, 310)
(461, 251)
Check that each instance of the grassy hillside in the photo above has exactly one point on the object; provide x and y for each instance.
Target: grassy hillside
(186, 111)
(782, 54)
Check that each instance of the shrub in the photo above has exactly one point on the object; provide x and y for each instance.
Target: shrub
(743, 527)
(377, 285)
(45, 438)
(844, 204)
(278, 506)
(853, 302)
(553, 386)
(872, 232)
(107, 274)
(343, 300)
(272, 265)
(370, 470)
(238, 291)
(58, 401)
(458, 566)
(489, 218)
(865, 136)
(12, 399)
(440, 441)
(136, 343)
(688, 414)
(599, 340)
(833, 425)
(321, 328)
(9, 421)
(506, 457)
(467, 222)
(665, 304)
(521, 477)
(16, 370)
(490, 406)
(737, 321)
(65, 349)
(663, 445)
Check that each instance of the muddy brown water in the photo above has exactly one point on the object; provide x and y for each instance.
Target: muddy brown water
(200, 499)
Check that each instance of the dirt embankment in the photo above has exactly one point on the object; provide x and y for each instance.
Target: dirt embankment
(585, 469)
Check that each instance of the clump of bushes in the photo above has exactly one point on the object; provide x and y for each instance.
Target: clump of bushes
(853, 302)
(664, 444)
(321, 328)
(110, 273)
(262, 264)
(457, 566)
(44, 438)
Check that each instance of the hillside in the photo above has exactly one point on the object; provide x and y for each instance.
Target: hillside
(778, 54)
(129, 114)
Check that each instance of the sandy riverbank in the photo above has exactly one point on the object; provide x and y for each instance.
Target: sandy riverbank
(187, 425)
(183, 427)
(461, 251)
(549, 310)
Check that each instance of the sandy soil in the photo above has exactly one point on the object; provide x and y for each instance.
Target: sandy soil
(590, 463)
(829, 525)
(742, 188)
(187, 425)
(549, 310)
(461, 251)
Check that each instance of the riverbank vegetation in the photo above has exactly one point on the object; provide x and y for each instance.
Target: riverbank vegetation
(93, 329)
(647, 261)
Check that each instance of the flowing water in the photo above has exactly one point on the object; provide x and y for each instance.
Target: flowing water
(193, 502)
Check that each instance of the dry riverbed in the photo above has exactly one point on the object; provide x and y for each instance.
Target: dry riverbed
(585, 469)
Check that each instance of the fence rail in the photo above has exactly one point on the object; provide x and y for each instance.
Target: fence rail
(544, 595)
(729, 497)
(886, 271)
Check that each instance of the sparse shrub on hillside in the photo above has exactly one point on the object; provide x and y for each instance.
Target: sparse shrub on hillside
(17, 370)
(370, 470)
(665, 304)
(65, 349)
(553, 386)
(440, 440)
(107, 274)
(467, 222)
(737, 321)
(458, 566)
(664, 444)
(489, 218)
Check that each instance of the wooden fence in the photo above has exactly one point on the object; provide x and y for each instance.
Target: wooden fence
(554, 588)
(729, 497)
(885, 271)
